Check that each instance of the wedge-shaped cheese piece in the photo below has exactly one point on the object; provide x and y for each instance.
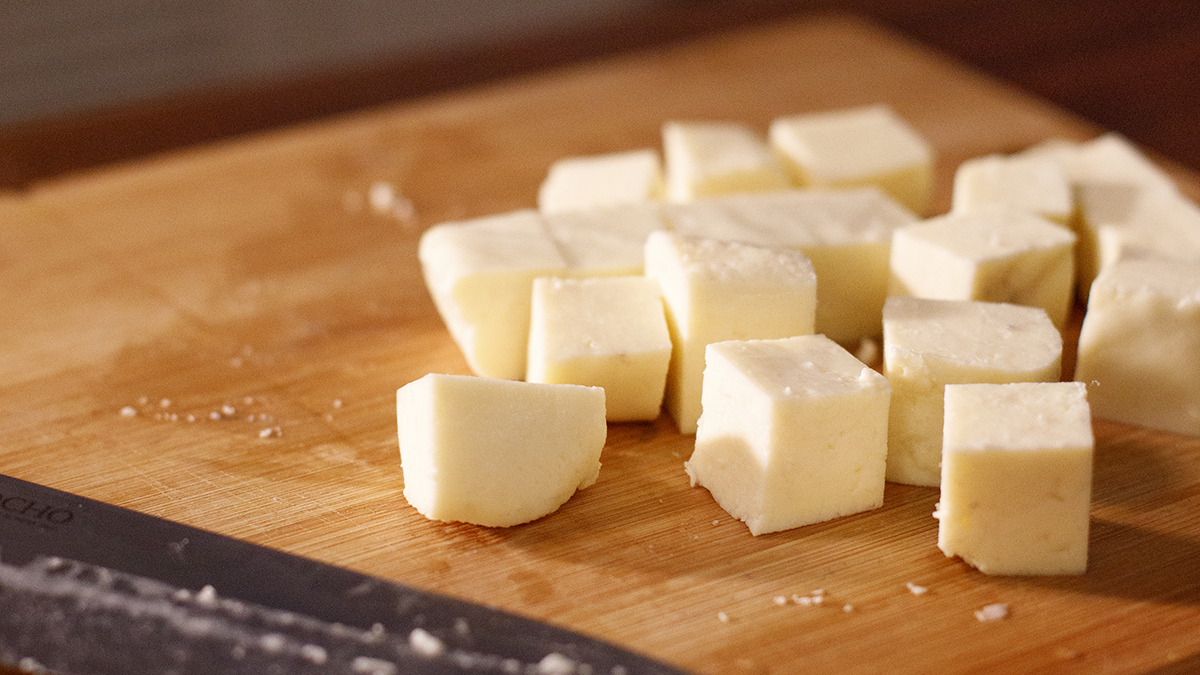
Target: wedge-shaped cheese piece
(597, 181)
(928, 344)
(857, 146)
(608, 332)
(714, 158)
(993, 255)
(794, 431)
(1031, 183)
(847, 234)
(496, 452)
(1139, 347)
(480, 273)
(1017, 477)
(607, 241)
(717, 290)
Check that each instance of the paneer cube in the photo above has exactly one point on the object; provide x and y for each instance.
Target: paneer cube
(496, 452)
(608, 241)
(1139, 347)
(1017, 477)
(598, 181)
(608, 332)
(718, 290)
(928, 344)
(794, 431)
(715, 158)
(1031, 183)
(853, 147)
(992, 255)
(847, 234)
(480, 273)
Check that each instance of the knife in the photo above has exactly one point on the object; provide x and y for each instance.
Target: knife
(88, 588)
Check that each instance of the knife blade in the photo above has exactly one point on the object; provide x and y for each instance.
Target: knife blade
(89, 588)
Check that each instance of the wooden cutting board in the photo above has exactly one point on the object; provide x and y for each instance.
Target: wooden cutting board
(251, 285)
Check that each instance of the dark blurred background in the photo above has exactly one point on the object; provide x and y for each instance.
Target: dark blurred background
(89, 82)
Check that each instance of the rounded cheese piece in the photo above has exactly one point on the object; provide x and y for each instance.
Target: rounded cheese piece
(496, 452)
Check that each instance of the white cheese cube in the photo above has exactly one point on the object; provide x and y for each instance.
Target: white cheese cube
(928, 344)
(794, 431)
(608, 332)
(604, 241)
(993, 255)
(717, 290)
(1110, 177)
(595, 181)
(1155, 222)
(1017, 477)
(857, 146)
(480, 273)
(1031, 183)
(496, 452)
(1139, 347)
(1108, 158)
(713, 158)
(847, 234)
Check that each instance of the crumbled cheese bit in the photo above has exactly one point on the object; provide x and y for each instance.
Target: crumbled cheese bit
(337, 402)
(228, 410)
(993, 612)
(780, 600)
(207, 596)
(165, 403)
(143, 400)
(129, 411)
(425, 643)
(214, 415)
(556, 664)
(270, 432)
(314, 654)
(272, 642)
(372, 666)
(847, 608)
(915, 589)
(722, 617)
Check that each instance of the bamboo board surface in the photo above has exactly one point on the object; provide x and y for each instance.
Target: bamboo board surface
(255, 277)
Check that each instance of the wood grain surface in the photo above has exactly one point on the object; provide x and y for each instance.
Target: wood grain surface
(254, 283)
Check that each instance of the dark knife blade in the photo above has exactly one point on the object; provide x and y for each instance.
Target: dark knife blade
(88, 588)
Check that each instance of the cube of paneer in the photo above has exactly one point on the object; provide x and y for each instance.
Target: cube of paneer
(993, 255)
(794, 431)
(496, 452)
(1031, 183)
(597, 181)
(847, 234)
(1109, 177)
(1017, 477)
(718, 290)
(479, 273)
(608, 332)
(1139, 347)
(928, 344)
(869, 145)
(1157, 222)
(713, 158)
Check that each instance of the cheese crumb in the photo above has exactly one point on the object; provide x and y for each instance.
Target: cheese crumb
(722, 617)
(992, 612)
(129, 411)
(915, 589)
(207, 596)
(425, 643)
(556, 664)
